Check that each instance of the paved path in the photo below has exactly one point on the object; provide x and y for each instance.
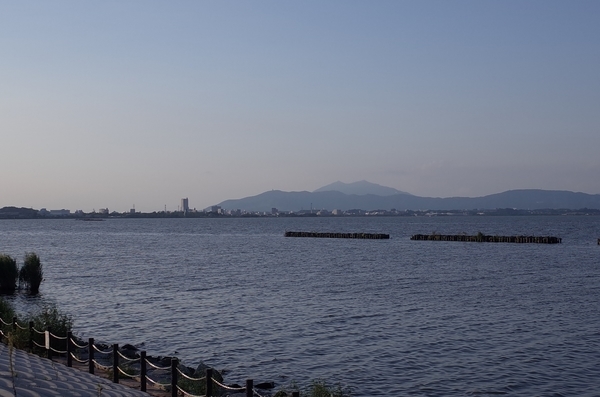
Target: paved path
(27, 375)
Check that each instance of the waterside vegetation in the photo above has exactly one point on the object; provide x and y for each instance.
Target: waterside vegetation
(316, 388)
(8, 274)
(30, 275)
(48, 317)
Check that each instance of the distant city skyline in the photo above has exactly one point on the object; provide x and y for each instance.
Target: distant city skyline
(106, 105)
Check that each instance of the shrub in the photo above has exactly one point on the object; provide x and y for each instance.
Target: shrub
(6, 311)
(48, 317)
(17, 337)
(8, 274)
(317, 388)
(31, 272)
(58, 322)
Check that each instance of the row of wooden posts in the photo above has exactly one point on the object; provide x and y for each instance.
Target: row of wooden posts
(437, 237)
(488, 239)
(367, 236)
(115, 364)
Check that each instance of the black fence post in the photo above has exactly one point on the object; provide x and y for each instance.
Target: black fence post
(91, 355)
(249, 388)
(209, 382)
(173, 377)
(69, 349)
(14, 324)
(49, 335)
(295, 394)
(143, 370)
(116, 363)
(31, 336)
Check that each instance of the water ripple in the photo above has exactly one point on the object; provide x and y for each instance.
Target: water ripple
(386, 317)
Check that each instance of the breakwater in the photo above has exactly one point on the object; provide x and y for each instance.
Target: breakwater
(482, 238)
(367, 236)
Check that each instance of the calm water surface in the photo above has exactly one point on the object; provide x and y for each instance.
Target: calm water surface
(392, 317)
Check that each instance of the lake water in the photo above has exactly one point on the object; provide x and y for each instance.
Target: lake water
(385, 317)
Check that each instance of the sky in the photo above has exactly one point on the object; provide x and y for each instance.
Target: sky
(115, 104)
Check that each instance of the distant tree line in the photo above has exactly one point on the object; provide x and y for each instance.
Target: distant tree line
(28, 213)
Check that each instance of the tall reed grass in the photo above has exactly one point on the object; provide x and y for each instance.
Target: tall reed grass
(8, 274)
(31, 273)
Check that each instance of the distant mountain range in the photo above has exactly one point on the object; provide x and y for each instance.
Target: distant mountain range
(359, 188)
(369, 196)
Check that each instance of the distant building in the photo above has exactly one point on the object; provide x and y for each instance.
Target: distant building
(62, 212)
(337, 212)
(185, 205)
(216, 209)
(274, 211)
(103, 211)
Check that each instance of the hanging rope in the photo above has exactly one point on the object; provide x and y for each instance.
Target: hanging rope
(256, 393)
(78, 360)
(157, 367)
(107, 352)
(21, 328)
(78, 346)
(185, 393)
(190, 378)
(237, 389)
(104, 367)
(57, 337)
(129, 360)
(126, 374)
(161, 385)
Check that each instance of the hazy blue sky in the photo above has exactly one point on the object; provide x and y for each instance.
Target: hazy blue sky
(115, 103)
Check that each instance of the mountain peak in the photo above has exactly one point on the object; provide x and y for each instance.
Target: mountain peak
(360, 188)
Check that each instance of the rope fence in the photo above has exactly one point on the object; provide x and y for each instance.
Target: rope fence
(120, 366)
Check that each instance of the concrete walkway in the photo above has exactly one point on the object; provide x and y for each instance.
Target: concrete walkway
(27, 375)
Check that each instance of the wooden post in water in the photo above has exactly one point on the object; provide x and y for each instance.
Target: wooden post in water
(91, 355)
(31, 336)
(249, 388)
(49, 331)
(173, 377)
(116, 363)
(209, 382)
(69, 348)
(143, 370)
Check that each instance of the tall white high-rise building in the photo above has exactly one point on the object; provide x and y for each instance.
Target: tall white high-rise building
(184, 205)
